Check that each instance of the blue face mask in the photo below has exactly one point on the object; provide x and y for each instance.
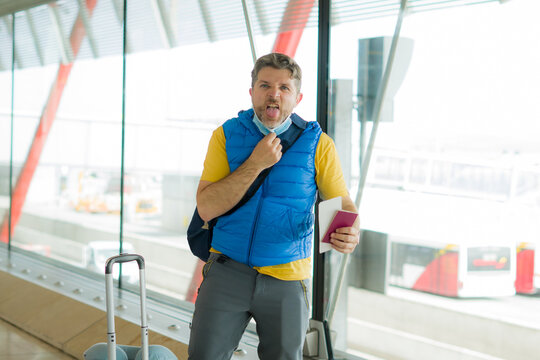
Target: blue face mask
(279, 130)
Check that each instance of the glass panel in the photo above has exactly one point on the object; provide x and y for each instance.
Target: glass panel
(450, 209)
(68, 136)
(175, 98)
(6, 44)
(35, 184)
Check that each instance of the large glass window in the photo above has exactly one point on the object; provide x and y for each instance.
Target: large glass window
(6, 42)
(111, 124)
(67, 133)
(448, 206)
(175, 98)
(32, 184)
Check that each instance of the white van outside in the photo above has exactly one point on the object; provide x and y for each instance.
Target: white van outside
(97, 253)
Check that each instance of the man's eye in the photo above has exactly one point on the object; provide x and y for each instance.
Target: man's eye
(264, 85)
(285, 88)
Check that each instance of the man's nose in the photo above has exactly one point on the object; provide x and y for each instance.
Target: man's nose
(274, 93)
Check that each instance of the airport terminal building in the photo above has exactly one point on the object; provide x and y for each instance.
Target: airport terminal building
(106, 111)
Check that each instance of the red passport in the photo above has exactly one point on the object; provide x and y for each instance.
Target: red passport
(341, 219)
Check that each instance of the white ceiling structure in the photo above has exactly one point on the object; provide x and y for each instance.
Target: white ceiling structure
(42, 27)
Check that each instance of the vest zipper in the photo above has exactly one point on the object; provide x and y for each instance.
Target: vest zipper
(254, 226)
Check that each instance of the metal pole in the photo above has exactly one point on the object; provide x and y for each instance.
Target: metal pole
(378, 103)
(250, 32)
(123, 139)
(144, 321)
(365, 161)
(13, 54)
(111, 335)
(322, 118)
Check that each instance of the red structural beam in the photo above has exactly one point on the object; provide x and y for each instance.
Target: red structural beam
(292, 27)
(45, 123)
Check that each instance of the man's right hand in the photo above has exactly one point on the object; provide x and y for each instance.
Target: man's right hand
(267, 152)
(216, 198)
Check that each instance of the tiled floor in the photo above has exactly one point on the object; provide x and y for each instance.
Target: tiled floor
(15, 344)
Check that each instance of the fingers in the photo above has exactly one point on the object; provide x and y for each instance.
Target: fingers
(274, 147)
(345, 239)
(267, 152)
(274, 142)
(270, 136)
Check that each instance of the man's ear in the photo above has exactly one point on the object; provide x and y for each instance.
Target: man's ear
(299, 98)
(250, 92)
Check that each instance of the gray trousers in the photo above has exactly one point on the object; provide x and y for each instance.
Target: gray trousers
(230, 295)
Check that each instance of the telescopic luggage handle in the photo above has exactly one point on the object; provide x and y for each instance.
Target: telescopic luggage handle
(122, 258)
(111, 335)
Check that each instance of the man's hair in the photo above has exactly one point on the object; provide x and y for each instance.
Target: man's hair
(278, 61)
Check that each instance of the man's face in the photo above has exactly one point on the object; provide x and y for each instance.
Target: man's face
(274, 96)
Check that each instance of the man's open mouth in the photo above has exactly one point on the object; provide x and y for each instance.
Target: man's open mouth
(272, 110)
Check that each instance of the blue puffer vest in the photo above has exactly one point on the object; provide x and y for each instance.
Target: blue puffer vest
(276, 225)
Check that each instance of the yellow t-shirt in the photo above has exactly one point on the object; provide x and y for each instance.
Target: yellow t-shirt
(329, 179)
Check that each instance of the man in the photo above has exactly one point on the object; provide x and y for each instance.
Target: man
(261, 254)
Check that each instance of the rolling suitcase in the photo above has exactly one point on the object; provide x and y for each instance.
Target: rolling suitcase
(112, 351)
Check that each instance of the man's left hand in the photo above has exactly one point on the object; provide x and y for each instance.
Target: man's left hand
(345, 239)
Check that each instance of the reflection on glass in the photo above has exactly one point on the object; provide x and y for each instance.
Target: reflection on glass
(454, 179)
(6, 42)
(31, 184)
(67, 134)
(175, 98)
(451, 205)
(181, 84)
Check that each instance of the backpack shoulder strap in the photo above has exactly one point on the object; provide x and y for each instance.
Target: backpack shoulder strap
(288, 138)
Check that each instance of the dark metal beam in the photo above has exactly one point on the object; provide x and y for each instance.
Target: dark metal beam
(322, 117)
